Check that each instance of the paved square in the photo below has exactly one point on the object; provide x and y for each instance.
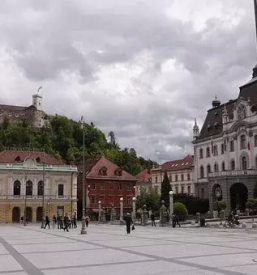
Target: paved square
(107, 249)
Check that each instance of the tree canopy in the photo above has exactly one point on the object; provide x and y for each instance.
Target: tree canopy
(63, 138)
(165, 189)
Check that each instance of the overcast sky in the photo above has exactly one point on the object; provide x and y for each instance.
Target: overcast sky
(141, 68)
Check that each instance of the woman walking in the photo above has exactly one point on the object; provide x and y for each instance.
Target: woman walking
(129, 222)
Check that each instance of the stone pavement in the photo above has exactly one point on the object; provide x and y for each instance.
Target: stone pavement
(107, 249)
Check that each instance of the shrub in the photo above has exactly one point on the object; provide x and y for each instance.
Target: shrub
(251, 204)
(221, 205)
(180, 210)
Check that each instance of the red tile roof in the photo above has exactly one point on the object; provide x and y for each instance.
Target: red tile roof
(180, 164)
(111, 168)
(16, 156)
(143, 176)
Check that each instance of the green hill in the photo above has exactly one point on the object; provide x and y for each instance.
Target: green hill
(63, 138)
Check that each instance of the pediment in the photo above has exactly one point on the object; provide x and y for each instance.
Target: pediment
(239, 126)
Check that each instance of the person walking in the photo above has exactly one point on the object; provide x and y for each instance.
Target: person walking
(47, 221)
(129, 222)
(66, 221)
(54, 221)
(153, 219)
(87, 220)
(75, 221)
(175, 220)
(72, 221)
(59, 221)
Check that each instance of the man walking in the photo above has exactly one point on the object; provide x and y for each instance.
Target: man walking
(153, 219)
(129, 222)
(66, 222)
(47, 221)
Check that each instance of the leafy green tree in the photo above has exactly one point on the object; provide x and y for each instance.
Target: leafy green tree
(151, 199)
(165, 189)
(180, 210)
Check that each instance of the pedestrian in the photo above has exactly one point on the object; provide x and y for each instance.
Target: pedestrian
(129, 222)
(175, 220)
(66, 221)
(72, 222)
(58, 221)
(75, 221)
(54, 221)
(87, 220)
(47, 221)
(153, 219)
(62, 222)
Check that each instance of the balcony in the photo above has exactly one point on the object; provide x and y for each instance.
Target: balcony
(232, 173)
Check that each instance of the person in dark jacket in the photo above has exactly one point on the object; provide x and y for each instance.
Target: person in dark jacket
(47, 221)
(66, 221)
(175, 220)
(129, 222)
(153, 219)
(59, 221)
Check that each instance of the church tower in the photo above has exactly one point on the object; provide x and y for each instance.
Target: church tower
(37, 100)
(195, 130)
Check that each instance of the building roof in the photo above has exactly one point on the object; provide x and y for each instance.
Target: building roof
(18, 156)
(213, 121)
(143, 176)
(111, 168)
(4, 107)
(180, 164)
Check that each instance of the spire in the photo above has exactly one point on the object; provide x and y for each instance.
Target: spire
(195, 130)
(215, 102)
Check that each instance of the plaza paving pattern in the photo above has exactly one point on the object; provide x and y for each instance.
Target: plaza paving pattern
(107, 249)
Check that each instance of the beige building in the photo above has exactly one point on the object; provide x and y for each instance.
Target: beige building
(31, 181)
(180, 173)
(143, 182)
(32, 114)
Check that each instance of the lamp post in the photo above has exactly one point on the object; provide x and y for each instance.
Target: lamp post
(83, 228)
(171, 193)
(43, 197)
(87, 199)
(25, 206)
(121, 210)
(134, 208)
(99, 211)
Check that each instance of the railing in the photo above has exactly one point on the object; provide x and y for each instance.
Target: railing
(38, 198)
(232, 173)
(13, 166)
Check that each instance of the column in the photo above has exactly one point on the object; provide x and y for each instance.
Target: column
(171, 204)
(134, 209)
(121, 210)
(99, 211)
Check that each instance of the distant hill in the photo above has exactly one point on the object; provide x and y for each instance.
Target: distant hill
(63, 138)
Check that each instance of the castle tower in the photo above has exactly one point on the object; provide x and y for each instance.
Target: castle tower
(195, 130)
(37, 100)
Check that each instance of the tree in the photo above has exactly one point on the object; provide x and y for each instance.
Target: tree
(221, 205)
(255, 190)
(112, 138)
(180, 210)
(165, 189)
(150, 199)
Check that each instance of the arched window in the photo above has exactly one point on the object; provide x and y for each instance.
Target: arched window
(40, 188)
(201, 172)
(244, 163)
(208, 152)
(29, 188)
(216, 167)
(201, 153)
(233, 166)
(223, 166)
(243, 142)
(208, 169)
(17, 188)
(215, 150)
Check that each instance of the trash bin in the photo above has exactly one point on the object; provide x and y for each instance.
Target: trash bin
(202, 222)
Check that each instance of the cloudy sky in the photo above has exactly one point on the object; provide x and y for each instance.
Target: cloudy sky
(141, 68)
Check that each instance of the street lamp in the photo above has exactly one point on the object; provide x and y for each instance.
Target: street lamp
(171, 193)
(43, 197)
(83, 229)
(25, 208)
(134, 208)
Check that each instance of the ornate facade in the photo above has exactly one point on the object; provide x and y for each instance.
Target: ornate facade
(226, 149)
(31, 181)
(32, 114)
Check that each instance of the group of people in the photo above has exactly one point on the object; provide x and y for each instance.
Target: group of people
(62, 222)
(174, 217)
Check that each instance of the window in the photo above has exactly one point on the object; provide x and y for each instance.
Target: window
(241, 112)
(188, 176)
(223, 166)
(93, 199)
(182, 177)
(102, 187)
(92, 186)
(216, 167)
(233, 166)
(189, 190)
(101, 199)
(156, 179)
(182, 189)
(232, 147)
(120, 186)
(215, 150)
(176, 190)
(242, 142)
(129, 200)
(222, 148)
(104, 172)
(17, 188)
(255, 141)
(128, 186)
(208, 154)
(110, 186)
(40, 188)
(201, 153)
(29, 188)
(202, 193)
(244, 163)
(60, 190)
(176, 177)
(170, 177)
(208, 169)
(110, 199)
(201, 172)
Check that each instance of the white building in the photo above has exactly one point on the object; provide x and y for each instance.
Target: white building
(225, 150)
(180, 173)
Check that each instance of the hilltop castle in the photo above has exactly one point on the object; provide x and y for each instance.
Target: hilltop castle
(33, 114)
